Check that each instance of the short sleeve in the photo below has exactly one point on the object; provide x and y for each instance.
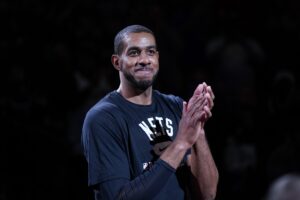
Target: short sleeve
(179, 103)
(104, 148)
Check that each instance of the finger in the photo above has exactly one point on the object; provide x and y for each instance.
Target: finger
(209, 90)
(204, 86)
(184, 107)
(197, 106)
(199, 116)
(207, 112)
(199, 89)
(209, 101)
(194, 99)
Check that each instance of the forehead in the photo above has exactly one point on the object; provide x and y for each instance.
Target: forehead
(140, 40)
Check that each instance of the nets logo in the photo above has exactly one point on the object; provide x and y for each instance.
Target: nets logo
(156, 127)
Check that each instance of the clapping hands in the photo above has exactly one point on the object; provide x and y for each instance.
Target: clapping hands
(195, 113)
(201, 103)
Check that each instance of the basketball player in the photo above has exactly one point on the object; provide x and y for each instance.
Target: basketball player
(143, 144)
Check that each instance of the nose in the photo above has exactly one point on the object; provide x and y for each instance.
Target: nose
(144, 59)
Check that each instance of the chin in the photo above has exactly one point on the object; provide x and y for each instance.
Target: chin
(143, 85)
(140, 83)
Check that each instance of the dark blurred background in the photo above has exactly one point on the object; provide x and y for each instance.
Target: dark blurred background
(55, 64)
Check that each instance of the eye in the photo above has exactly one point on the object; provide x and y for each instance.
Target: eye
(134, 52)
(151, 52)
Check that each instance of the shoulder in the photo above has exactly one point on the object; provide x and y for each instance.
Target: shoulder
(103, 120)
(104, 110)
(169, 99)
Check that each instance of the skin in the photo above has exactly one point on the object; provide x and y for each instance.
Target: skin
(140, 60)
(138, 66)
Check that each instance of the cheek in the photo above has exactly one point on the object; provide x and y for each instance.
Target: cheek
(155, 63)
(125, 64)
(129, 63)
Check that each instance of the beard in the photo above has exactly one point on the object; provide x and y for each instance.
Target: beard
(140, 84)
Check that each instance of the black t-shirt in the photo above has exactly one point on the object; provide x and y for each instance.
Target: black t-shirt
(122, 140)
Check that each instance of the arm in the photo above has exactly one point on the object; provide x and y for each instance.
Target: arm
(204, 171)
(144, 186)
(187, 131)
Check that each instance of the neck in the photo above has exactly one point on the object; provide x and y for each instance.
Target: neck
(141, 97)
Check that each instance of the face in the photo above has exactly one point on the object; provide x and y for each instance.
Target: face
(138, 64)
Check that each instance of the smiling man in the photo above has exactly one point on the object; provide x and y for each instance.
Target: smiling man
(143, 144)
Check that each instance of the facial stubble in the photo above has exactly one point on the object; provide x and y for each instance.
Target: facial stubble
(140, 84)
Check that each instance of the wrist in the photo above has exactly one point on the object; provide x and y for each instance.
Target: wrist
(174, 154)
(181, 146)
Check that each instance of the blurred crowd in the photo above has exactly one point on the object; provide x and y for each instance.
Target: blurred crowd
(55, 64)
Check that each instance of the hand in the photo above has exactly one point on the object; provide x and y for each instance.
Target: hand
(206, 91)
(209, 95)
(192, 114)
(190, 124)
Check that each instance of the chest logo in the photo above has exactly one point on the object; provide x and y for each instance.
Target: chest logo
(160, 137)
(157, 126)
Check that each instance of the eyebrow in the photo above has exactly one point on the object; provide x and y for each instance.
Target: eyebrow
(148, 47)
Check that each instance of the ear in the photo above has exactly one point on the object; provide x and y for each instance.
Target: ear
(115, 61)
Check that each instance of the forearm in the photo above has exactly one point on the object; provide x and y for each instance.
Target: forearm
(174, 154)
(203, 169)
(145, 186)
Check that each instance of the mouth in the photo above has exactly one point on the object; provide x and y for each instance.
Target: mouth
(145, 71)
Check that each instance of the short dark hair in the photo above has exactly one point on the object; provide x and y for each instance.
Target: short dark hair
(118, 41)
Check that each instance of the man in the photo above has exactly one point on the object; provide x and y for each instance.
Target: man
(142, 144)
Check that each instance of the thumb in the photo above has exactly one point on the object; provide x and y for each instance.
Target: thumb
(199, 89)
(184, 107)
